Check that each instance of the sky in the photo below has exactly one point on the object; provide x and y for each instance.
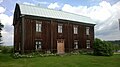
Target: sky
(105, 13)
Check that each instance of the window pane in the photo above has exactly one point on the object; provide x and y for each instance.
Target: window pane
(40, 27)
(75, 29)
(36, 47)
(39, 47)
(36, 42)
(59, 28)
(88, 43)
(75, 44)
(36, 27)
(39, 42)
(87, 31)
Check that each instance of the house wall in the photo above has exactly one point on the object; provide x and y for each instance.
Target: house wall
(50, 35)
(17, 36)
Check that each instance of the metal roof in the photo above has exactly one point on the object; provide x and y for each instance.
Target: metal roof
(50, 13)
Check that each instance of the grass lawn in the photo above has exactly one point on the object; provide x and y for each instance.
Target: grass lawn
(58, 61)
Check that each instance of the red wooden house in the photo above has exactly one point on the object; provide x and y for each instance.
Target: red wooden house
(44, 29)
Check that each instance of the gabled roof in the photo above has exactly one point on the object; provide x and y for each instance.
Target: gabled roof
(50, 13)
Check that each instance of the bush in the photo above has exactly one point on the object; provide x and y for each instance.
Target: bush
(32, 55)
(0, 47)
(17, 55)
(7, 49)
(86, 51)
(102, 48)
(116, 47)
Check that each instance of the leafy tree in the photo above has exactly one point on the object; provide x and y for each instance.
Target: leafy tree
(116, 47)
(102, 48)
(1, 26)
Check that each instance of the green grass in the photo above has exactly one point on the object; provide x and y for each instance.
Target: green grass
(58, 61)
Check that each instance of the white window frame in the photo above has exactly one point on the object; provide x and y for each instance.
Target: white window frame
(38, 45)
(75, 44)
(87, 43)
(60, 26)
(75, 28)
(38, 26)
(87, 30)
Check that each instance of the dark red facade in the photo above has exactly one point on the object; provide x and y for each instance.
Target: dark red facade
(25, 35)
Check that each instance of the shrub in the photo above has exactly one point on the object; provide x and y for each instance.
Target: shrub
(7, 49)
(102, 48)
(17, 55)
(0, 47)
(116, 47)
(86, 51)
(11, 50)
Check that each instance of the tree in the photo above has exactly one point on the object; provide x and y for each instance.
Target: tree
(102, 48)
(1, 26)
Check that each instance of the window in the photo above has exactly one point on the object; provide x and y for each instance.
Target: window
(38, 26)
(38, 45)
(75, 29)
(75, 44)
(87, 31)
(59, 28)
(88, 43)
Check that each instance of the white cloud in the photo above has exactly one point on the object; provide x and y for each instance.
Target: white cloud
(7, 37)
(43, 3)
(53, 5)
(7, 32)
(1, 1)
(5, 19)
(98, 13)
(27, 3)
(105, 15)
(40, 2)
(2, 10)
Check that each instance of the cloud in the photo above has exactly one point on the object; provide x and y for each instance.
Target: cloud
(40, 2)
(43, 3)
(53, 5)
(1, 1)
(2, 10)
(105, 15)
(7, 32)
(111, 36)
(27, 3)
(98, 13)
(5, 19)
(7, 37)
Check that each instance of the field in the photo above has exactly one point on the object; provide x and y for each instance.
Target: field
(61, 61)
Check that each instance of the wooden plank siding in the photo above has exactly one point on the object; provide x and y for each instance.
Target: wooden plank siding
(50, 35)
